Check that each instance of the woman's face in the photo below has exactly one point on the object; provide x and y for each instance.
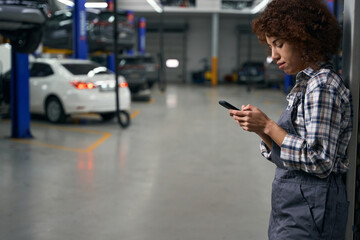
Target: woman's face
(285, 55)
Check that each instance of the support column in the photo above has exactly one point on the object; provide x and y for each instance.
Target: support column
(131, 21)
(288, 84)
(20, 97)
(80, 47)
(110, 61)
(110, 5)
(351, 75)
(110, 58)
(142, 36)
(214, 49)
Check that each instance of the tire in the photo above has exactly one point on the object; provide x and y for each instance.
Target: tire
(54, 110)
(27, 41)
(107, 116)
(124, 119)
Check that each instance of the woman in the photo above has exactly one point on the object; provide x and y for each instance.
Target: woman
(308, 143)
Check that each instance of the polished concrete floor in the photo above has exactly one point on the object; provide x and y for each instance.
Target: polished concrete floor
(183, 170)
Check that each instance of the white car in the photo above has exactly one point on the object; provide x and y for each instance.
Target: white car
(61, 87)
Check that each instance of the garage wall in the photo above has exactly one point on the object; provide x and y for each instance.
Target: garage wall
(237, 47)
(198, 44)
(234, 48)
(173, 49)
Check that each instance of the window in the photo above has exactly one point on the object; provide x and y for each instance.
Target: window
(86, 68)
(40, 70)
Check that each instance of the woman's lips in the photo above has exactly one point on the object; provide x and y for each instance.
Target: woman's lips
(281, 65)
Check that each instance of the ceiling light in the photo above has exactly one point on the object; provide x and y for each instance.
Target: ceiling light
(67, 2)
(172, 63)
(96, 5)
(156, 6)
(87, 4)
(259, 7)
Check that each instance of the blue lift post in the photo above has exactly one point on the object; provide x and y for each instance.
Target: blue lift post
(288, 84)
(330, 4)
(80, 47)
(110, 61)
(141, 35)
(20, 96)
(130, 19)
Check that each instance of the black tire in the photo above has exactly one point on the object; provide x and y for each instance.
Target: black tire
(124, 119)
(27, 41)
(54, 110)
(107, 116)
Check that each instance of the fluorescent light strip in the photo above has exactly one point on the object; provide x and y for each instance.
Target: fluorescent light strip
(155, 5)
(87, 4)
(96, 5)
(259, 7)
(67, 2)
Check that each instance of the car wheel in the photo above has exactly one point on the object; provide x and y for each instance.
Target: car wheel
(27, 41)
(107, 116)
(54, 110)
(124, 118)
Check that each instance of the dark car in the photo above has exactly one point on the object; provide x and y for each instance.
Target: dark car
(142, 61)
(252, 72)
(273, 75)
(134, 71)
(22, 21)
(58, 30)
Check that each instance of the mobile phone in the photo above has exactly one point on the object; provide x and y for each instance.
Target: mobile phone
(227, 105)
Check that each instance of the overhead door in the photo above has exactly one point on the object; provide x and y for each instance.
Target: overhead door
(174, 48)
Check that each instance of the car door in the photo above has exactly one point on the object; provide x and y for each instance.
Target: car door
(40, 81)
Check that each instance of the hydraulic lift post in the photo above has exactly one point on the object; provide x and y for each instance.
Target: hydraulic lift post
(20, 96)
(80, 46)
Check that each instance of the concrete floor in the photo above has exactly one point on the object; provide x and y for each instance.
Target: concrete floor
(183, 170)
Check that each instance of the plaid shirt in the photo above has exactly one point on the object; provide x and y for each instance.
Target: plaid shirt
(323, 123)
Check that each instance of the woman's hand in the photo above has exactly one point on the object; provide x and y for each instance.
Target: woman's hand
(251, 119)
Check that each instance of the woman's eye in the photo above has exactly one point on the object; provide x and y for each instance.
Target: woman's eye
(280, 45)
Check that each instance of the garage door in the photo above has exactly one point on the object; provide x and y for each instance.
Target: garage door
(174, 45)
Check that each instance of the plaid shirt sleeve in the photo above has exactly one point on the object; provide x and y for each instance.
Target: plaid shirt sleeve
(265, 151)
(324, 127)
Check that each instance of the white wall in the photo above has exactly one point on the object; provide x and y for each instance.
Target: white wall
(199, 39)
(198, 43)
(229, 58)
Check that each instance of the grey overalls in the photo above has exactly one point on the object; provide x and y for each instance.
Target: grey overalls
(305, 206)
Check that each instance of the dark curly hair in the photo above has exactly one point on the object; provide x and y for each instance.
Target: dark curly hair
(308, 24)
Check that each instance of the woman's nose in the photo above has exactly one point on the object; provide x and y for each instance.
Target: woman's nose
(275, 55)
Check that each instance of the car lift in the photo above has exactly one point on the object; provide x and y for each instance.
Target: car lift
(79, 30)
(20, 104)
(20, 87)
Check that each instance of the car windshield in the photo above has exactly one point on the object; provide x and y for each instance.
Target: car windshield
(253, 64)
(135, 61)
(148, 60)
(109, 17)
(86, 69)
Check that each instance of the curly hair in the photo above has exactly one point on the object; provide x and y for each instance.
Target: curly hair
(307, 24)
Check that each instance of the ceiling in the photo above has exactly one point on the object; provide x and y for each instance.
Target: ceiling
(239, 6)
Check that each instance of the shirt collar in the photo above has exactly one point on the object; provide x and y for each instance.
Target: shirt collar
(309, 72)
